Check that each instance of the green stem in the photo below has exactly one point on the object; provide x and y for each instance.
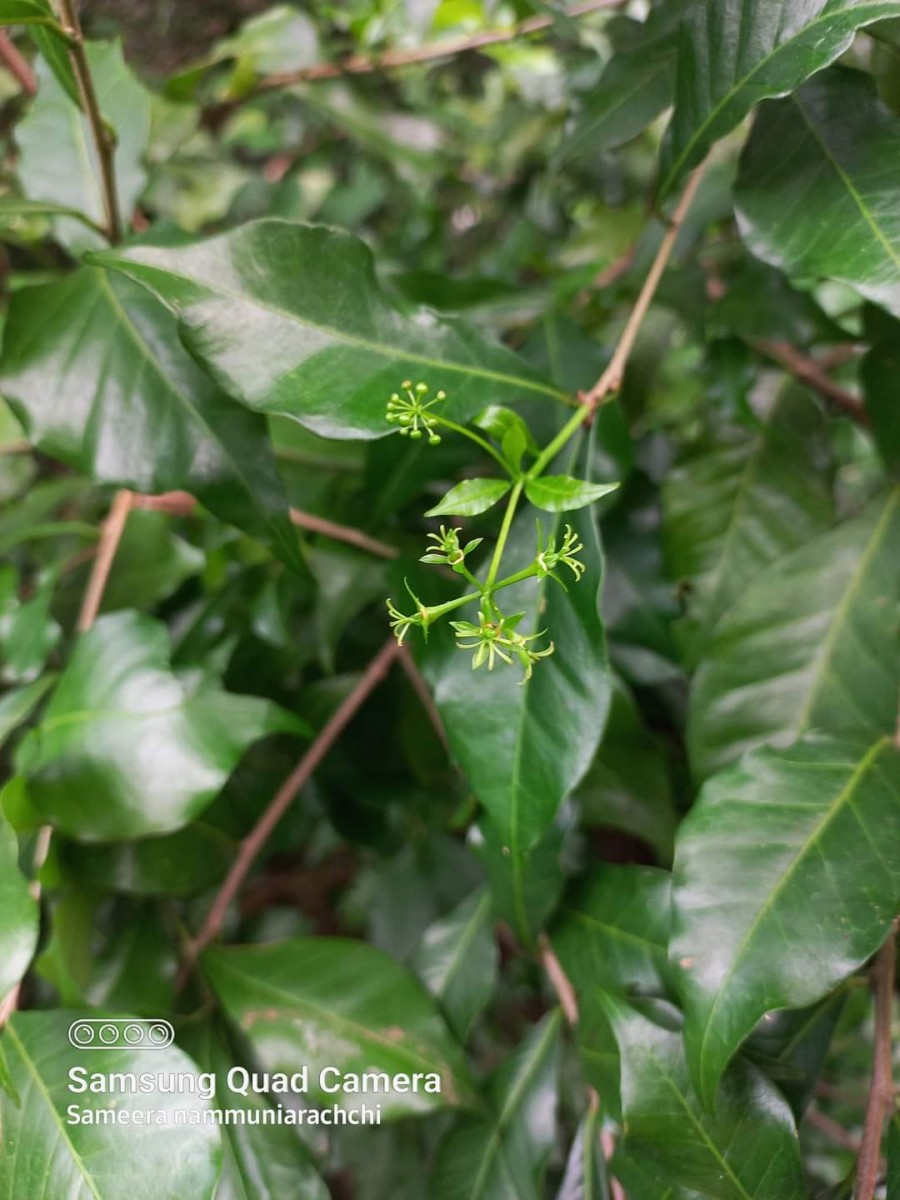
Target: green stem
(503, 534)
(550, 452)
(474, 437)
(438, 610)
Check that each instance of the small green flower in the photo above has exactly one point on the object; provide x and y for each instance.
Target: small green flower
(409, 411)
(548, 557)
(448, 551)
(401, 623)
(498, 639)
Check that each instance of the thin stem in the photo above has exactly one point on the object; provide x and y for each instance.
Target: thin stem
(881, 1089)
(252, 844)
(477, 439)
(17, 65)
(110, 536)
(611, 379)
(503, 535)
(550, 451)
(104, 140)
(812, 373)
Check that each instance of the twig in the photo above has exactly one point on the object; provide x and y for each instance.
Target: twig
(104, 139)
(253, 843)
(110, 536)
(611, 379)
(881, 1088)
(420, 687)
(17, 65)
(359, 65)
(568, 1002)
(812, 373)
(181, 504)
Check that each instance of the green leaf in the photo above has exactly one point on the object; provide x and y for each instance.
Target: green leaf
(504, 1155)
(457, 961)
(562, 493)
(125, 747)
(816, 185)
(791, 1047)
(612, 931)
(880, 370)
(58, 160)
(507, 428)
(784, 884)
(180, 864)
(524, 892)
(133, 1159)
(746, 1150)
(585, 1177)
(627, 785)
(18, 705)
(811, 645)
(470, 497)
(138, 411)
(58, 58)
(733, 55)
(28, 632)
(520, 765)
(733, 506)
(290, 319)
(341, 1004)
(18, 913)
(14, 208)
(27, 12)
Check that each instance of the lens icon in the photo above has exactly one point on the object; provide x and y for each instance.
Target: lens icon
(120, 1033)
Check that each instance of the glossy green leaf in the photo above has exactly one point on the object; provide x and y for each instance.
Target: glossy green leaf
(18, 913)
(26, 12)
(290, 319)
(17, 705)
(746, 1150)
(58, 161)
(503, 1156)
(126, 748)
(811, 645)
(734, 54)
(627, 786)
(562, 493)
(28, 633)
(733, 505)
(520, 766)
(816, 185)
(791, 1047)
(524, 893)
(471, 497)
(180, 864)
(339, 1004)
(47, 1155)
(457, 961)
(507, 428)
(612, 931)
(784, 884)
(138, 412)
(585, 1177)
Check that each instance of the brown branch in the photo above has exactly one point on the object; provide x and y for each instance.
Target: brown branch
(832, 1130)
(359, 65)
(182, 504)
(881, 1088)
(103, 137)
(812, 373)
(110, 536)
(17, 65)
(253, 843)
(611, 379)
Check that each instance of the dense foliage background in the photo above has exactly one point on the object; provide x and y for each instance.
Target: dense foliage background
(628, 908)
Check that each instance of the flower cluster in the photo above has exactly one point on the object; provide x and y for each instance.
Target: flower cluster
(548, 557)
(408, 409)
(447, 550)
(497, 638)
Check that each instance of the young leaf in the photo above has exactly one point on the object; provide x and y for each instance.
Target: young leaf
(18, 913)
(142, 1159)
(26, 12)
(470, 497)
(784, 884)
(505, 426)
(733, 506)
(734, 55)
(811, 645)
(562, 493)
(58, 160)
(139, 413)
(339, 1004)
(457, 961)
(125, 747)
(290, 319)
(816, 185)
(746, 1150)
(504, 1155)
